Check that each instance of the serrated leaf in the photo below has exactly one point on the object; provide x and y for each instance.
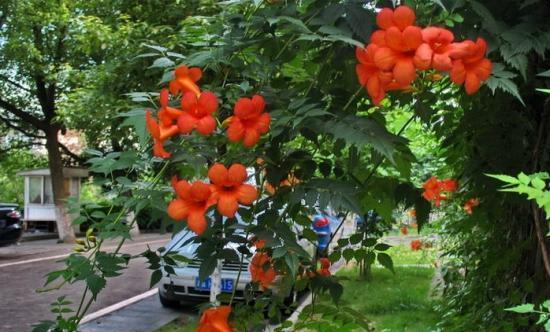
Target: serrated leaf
(95, 283)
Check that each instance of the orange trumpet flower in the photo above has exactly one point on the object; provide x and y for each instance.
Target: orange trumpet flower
(416, 245)
(191, 204)
(197, 113)
(229, 188)
(325, 267)
(160, 134)
(371, 76)
(262, 270)
(215, 320)
(471, 67)
(185, 80)
(249, 121)
(435, 50)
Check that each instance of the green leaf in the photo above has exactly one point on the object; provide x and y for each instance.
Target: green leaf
(296, 23)
(335, 256)
(524, 308)
(356, 238)
(207, 267)
(348, 254)
(385, 260)
(504, 178)
(155, 278)
(95, 283)
(544, 74)
(382, 247)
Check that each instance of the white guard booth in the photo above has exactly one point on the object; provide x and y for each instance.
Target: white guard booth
(39, 206)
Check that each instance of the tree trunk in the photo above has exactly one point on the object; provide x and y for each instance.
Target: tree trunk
(63, 220)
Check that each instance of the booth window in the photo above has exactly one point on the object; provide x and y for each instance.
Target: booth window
(48, 192)
(35, 189)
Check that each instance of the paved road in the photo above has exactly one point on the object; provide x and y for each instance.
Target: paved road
(22, 270)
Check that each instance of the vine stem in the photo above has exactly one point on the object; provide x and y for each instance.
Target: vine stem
(352, 98)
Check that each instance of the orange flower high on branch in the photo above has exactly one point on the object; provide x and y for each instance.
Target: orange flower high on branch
(437, 191)
(215, 320)
(185, 80)
(191, 203)
(400, 48)
(229, 188)
(249, 121)
(160, 134)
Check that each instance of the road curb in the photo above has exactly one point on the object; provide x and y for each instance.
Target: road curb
(117, 306)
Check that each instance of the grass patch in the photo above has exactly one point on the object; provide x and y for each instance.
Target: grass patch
(394, 302)
(403, 255)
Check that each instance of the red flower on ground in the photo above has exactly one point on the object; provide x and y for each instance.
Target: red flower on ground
(197, 113)
(261, 269)
(229, 188)
(416, 245)
(471, 67)
(404, 230)
(470, 204)
(435, 50)
(191, 203)
(160, 134)
(249, 121)
(215, 320)
(185, 79)
(325, 267)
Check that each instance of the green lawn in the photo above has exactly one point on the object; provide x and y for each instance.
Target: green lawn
(394, 302)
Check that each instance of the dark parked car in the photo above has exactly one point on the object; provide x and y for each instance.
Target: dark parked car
(11, 227)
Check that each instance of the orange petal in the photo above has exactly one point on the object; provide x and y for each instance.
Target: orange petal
(152, 125)
(394, 39)
(403, 16)
(237, 174)
(163, 97)
(208, 102)
(446, 36)
(404, 71)
(235, 132)
(373, 87)
(227, 205)
(442, 62)
(167, 131)
(186, 123)
(385, 58)
(378, 38)
(189, 102)
(218, 174)
(384, 18)
(200, 191)
(458, 72)
(412, 37)
(259, 103)
(430, 34)
(247, 194)
(206, 125)
(197, 222)
(178, 209)
(244, 108)
(251, 137)
(159, 151)
(361, 55)
(423, 57)
(183, 189)
(195, 73)
(187, 85)
(483, 69)
(472, 83)
(262, 123)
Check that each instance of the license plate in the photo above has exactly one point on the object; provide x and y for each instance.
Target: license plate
(227, 284)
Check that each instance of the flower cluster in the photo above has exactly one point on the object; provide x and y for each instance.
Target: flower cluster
(227, 189)
(438, 190)
(399, 48)
(416, 245)
(196, 113)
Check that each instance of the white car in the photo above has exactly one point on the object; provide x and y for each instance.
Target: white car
(185, 285)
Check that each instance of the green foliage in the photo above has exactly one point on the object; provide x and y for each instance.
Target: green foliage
(543, 312)
(11, 162)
